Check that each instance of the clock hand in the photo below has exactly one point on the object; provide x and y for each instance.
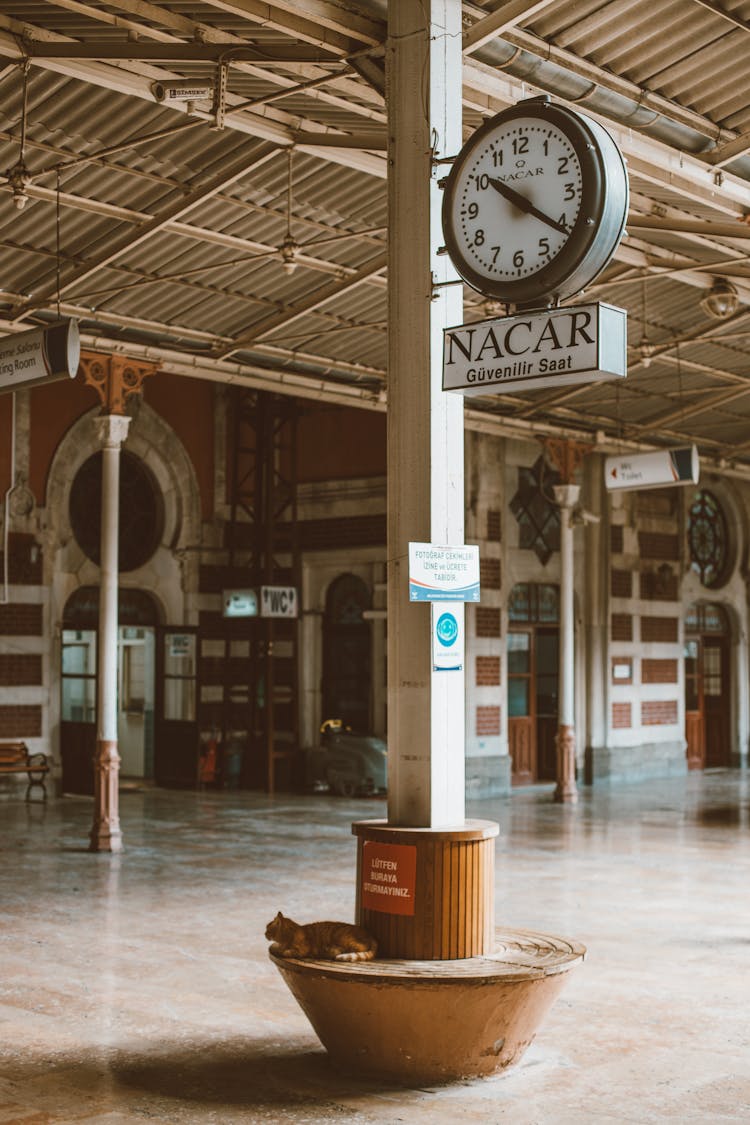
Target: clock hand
(524, 204)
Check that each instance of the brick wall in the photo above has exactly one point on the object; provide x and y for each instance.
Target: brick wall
(20, 721)
(662, 630)
(622, 627)
(621, 583)
(658, 671)
(621, 715)
(488, 621)
(493, 524)
(488, 671)
(21, 620)
(658, 712)
(20, 669)
(489, 573)
(488, 721)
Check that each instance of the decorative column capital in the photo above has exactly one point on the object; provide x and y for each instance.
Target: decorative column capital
(566, 456)
(566, 495)
(114, 378)
(112, 429)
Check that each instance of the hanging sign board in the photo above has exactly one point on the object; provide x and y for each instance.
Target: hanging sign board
(278, 601)
(43, 355)
(653, 470)
(548, 348)
(447, 638)
(239, 603)
(443, 574)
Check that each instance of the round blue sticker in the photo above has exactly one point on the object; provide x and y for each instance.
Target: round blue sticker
(447, 629)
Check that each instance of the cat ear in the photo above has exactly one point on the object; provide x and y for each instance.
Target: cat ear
(278, 917)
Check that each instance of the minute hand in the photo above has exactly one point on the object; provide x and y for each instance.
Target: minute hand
(524, 204)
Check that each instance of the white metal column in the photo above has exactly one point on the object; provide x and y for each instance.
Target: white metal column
(566, 496)
(105, 833)
(425, 426)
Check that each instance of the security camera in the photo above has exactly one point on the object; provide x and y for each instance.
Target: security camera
(183, 90)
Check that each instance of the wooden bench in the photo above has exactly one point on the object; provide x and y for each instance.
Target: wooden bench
(15, 758)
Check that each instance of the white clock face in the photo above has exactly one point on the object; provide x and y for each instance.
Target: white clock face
(516, 199)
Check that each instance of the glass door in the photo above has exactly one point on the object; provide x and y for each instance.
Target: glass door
(521, 707)
(176, 742)
(78, 710)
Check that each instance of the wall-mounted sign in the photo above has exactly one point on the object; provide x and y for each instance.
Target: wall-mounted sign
(389, 877)
(278, 601)
(43, 355)
(239, 603)
(447, 638)
(622, 670)
(181, 645)
(550, 348)
(443, 574)
(653, 470)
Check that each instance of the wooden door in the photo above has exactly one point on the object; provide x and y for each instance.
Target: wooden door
(521, 707)
(707, 701)
(176, 741)
(716, 701)
(78, 710)
(546, 676)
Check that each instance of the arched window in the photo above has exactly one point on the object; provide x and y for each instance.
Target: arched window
(141, 510)
(708, 539)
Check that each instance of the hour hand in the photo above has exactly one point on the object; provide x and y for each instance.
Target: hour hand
(524, 204)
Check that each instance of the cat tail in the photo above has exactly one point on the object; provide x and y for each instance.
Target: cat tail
(365, 955)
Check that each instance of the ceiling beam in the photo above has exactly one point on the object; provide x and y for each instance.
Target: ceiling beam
(307, 305)
(130, 240)
(505, 17)
(314, 21)
(683, 412)
(180, 52)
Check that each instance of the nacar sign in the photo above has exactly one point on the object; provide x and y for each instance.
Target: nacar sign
(549, 348)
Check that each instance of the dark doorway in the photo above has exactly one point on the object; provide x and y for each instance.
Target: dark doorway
(708, 688)
(533, 674)
(347, 653)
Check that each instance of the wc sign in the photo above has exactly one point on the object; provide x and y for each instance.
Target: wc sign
(278, 601)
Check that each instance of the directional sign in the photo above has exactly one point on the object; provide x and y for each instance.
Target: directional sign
(653, 470)
(239, 603)
(43, 355)
(551, 348)
(278, 601)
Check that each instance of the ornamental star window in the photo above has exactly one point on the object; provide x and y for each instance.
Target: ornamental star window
(536, 512)
(708, 539)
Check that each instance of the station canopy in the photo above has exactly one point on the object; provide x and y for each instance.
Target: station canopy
(204, 184)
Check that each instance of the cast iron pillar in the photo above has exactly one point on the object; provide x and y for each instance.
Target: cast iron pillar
(566, 496)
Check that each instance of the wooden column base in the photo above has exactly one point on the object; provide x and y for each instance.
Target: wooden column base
(105, 832)
(565, 742)
(427, 894)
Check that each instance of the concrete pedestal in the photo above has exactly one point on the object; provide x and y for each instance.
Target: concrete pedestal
(417, 1022)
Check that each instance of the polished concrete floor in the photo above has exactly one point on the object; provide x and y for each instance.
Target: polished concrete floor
(137, 987)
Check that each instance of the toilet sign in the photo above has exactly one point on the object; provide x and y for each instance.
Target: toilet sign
(389, 877)
(278, 601)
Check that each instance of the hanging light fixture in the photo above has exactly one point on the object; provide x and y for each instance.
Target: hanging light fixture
(721, 300)
(289, 248)
(19, 176)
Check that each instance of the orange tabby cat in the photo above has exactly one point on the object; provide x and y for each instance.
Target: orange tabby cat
(325, 941)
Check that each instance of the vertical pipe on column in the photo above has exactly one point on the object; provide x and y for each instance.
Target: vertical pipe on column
(105, 833)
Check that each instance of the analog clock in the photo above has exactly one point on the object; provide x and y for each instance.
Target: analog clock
(535, 204)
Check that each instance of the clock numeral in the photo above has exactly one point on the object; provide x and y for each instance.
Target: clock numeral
(495, 251)
(563, 220)
(518, 259)
(497, 157)
(570, 191)
(562, 165)
(479, 237)
(483, 181)
(544, 246)
(520, 145)
(472, 210)
(545, 146)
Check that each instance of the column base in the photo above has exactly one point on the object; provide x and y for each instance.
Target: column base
(105, 832)
(427, 893)
(566, 790)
